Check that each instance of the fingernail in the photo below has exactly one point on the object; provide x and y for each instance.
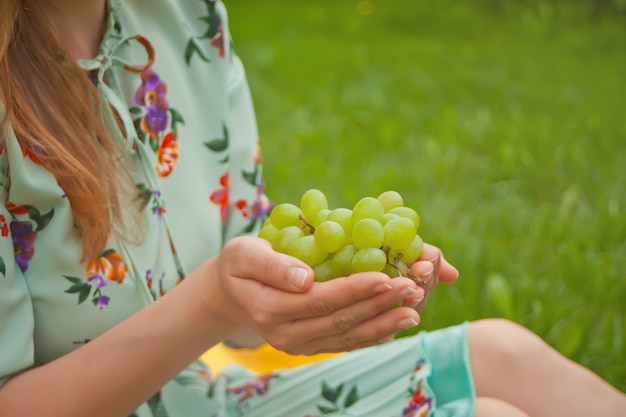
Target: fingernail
(297, 276)
(427, 275)
(417, 301)
(382, 288)
(435, 259)
(387, 339)
(407, 291)
(407, 323)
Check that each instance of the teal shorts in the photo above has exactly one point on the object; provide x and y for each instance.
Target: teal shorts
(423, 375)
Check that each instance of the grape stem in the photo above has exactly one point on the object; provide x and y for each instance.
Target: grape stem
(305, 224)
(403, 273)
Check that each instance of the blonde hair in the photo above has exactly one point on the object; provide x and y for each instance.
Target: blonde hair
(54, 109)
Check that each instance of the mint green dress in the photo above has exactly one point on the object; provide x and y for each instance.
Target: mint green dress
(168, 68)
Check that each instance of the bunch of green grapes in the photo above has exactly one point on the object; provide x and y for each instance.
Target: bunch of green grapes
(377, 234)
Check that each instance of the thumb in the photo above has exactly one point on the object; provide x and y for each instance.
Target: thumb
(253, 258)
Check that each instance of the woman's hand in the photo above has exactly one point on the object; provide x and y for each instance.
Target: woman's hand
(275, 295)
(431, 269)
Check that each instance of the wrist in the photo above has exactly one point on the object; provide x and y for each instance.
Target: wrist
(216, 306)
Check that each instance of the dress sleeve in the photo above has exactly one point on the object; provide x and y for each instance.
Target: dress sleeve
(16, 310)
(249, 205)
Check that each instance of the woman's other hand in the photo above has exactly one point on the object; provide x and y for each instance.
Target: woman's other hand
(430, 269)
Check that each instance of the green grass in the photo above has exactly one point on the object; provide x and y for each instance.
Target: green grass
(503, 126)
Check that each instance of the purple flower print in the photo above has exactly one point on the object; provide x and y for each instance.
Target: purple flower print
(97, 280)
(151, 96)
(103, 301)
(23, 240)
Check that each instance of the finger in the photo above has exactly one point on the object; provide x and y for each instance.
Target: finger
(325, 298)
(344, 319)
(368, 333)
(442, 269)
(255, 259)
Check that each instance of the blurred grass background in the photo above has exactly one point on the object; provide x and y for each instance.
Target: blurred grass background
(502, 122)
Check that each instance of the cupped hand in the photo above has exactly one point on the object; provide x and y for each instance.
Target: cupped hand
(431, 269)
(275, 295)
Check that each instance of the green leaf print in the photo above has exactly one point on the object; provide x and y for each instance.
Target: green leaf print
(220, 144)
(145, 194)
(3, 267)
(353, 397)
(84, 293)
(331, 394)
(41, 220)
(251, 176)
(327, 409)
(176, 119)
(192, 49)
(78, 287)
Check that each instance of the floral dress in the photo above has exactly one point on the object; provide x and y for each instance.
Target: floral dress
(168, 68)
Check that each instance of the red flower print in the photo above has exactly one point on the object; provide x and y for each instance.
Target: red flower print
(242, 207)
(419, 405)
(32, 152)
(4, 228)
(167, 155)
(220, 197)
(218, 42)
(17, 209)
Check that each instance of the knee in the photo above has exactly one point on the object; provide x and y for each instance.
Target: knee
(504, 343)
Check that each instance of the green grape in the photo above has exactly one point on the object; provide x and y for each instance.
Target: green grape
(367, 208)
(369, 259)
(390, 200)
(342, 259)
(367, 233)
(330, 236)
(387, 217)
(319, 217)
(269, 233)
(407, 212)
(307, 251)
(397, 268)
(325, 271)
(343, 216)
(267, 222)
(391, 271)
(285, 238)
(399, 233)
(311, 202)
(284, 215)
(412, 252)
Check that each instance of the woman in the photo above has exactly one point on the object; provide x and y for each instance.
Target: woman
(130, 161)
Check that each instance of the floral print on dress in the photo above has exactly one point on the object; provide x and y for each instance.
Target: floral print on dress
(419, 404)
(109, 266)
(24, 232)
(155, 121)
(258, 386)
(214, 32)
(219, 197)
(150, 283)
(255, 211)
(152, 197)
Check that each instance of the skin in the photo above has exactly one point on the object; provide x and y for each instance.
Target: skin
(79, 22)
(235, 295)
(240, 288)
